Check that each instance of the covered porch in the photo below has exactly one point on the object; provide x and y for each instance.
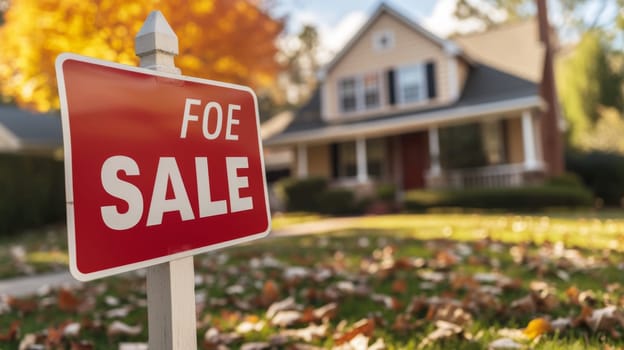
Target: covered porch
(487, 151)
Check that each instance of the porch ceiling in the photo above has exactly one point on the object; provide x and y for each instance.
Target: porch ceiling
(405, 123)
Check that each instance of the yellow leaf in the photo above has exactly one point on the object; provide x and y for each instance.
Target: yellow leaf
(537, 327)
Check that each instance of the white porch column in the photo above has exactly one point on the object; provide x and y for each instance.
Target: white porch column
(360, 156)
(302, 161)
(528, 141)
(434, 152)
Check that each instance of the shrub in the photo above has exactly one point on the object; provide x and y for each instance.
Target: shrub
(303, 194)
(337, 201)
(386, 192)
(565, 180)
(32, 192)
(601, 172)
(525, 198)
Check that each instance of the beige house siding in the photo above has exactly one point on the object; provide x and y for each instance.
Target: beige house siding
(462, 74)
(318, 161)
(515, 150)
(409, 48)
(494, 46)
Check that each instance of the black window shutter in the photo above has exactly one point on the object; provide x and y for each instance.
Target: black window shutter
(335, 161)
(391, 87)
(431, 82)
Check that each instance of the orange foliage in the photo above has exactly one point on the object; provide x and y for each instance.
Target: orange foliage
(228, 40)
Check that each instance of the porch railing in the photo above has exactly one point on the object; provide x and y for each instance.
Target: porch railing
(494, 176)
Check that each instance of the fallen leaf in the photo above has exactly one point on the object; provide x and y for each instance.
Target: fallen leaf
(132, 346)
(573, 294)
(308, 334)
(524, 305)
(28, 342)
(82, 345)
(256, 346)
(11, 334)
(286, 318)
(120, 328)
(22, 305)
(537, 327)
(67, 301)
(364, 326)
(399, 286)
(454, 314)
(270, 293)
(504, 343)
(72, 329)
(283, 305)
(444, 330)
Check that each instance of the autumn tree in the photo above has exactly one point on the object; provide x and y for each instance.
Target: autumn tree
(228, 40)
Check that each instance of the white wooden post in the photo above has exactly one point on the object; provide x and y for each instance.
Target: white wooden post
(170, 286)
(360, 158)
(434, 152)
(528, 140)
(302, 161)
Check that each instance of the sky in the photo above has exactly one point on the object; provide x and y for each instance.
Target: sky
(338, 20)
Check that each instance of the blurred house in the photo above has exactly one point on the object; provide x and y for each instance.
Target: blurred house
(400, 105)
(28, 132)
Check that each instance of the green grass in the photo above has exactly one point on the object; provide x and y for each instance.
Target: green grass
(348, 253)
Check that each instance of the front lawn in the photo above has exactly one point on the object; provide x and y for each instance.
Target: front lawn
(409, 281)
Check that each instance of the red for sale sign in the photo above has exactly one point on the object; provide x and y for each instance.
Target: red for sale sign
(157, 166)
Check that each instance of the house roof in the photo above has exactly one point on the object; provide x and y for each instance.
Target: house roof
(487, 91)
(32, 130)
(384, 8)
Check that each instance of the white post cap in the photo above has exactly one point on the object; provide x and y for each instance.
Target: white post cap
(156, 44)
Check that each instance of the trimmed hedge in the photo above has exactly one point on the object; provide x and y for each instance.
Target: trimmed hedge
(602, 172)
(525, 198)
(314, 195)
(32, 192)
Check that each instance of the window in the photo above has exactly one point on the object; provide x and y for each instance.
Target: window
(348, 95)
(359, 93)
(493, 144)
(411, 84)
(371, 91)
(383, 40)
(376, 157)
(347, 164)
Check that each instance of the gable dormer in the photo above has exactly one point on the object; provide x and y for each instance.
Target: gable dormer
(392, 64)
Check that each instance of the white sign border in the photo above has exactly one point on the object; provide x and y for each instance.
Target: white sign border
(69, 192)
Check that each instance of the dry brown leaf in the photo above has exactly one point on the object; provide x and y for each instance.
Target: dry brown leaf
(504, 343)
(133, 346)
(22, 305)
(54, 335)
(573, 294)
(67, 301)
(445, 259)
(270, 293)
(11, 334)
(327, 311)
(524, 305)
(256, 346)
(449, 313)
(537, 327)
(120, 328)
(82, 345)
(286, 318)
(399, 286)
(282, 305)
(364, 326)
(307, 334)
(444, 330)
